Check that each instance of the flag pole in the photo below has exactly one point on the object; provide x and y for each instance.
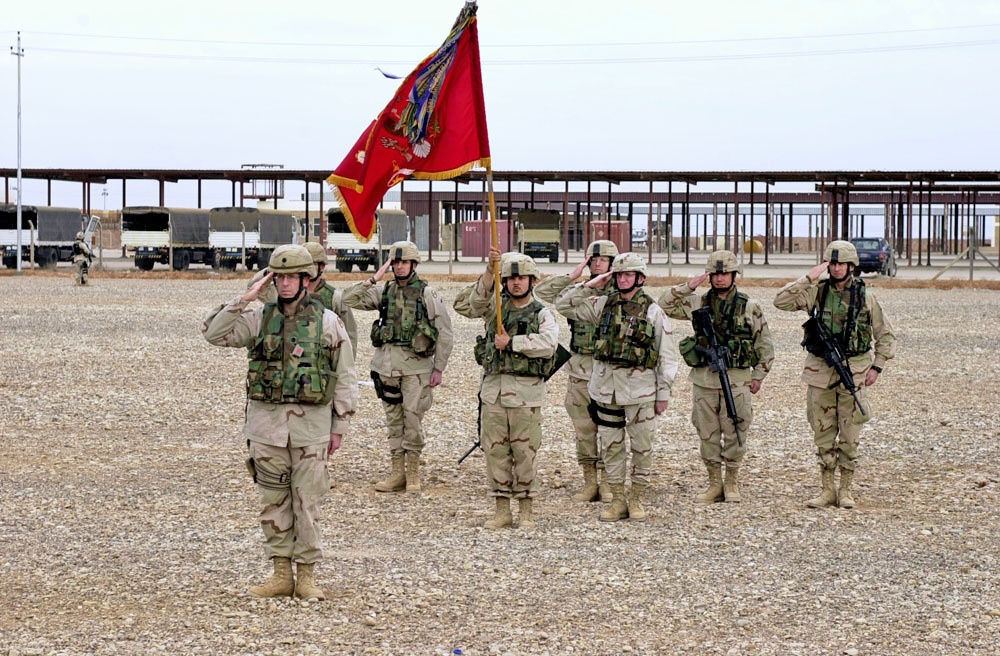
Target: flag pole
(495, 241)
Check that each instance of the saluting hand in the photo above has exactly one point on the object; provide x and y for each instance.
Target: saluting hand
(818, 270)
(378, 275)
(697, 281)
(600, 281)
(253, 292)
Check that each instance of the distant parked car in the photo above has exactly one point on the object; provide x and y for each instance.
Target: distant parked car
(875, 256)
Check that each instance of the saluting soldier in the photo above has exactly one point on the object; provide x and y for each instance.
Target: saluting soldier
(302, 390)
(740, 327)
(635, 361)
(583, 334)
(515, 362)
(852, 316)
(413, 340)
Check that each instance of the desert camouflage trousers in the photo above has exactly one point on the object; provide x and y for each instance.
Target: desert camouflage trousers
(511, 439)
(588, 450)
(640, 427)
(836, 424)
(290, 484)
(715, 428)
(404, 420)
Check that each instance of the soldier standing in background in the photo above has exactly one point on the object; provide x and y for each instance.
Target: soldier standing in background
(854, 319)
(413, 341)
(740, 327)
(582, 337)
(82, 257)
(515, 361)
(635, 361)
(302, 390)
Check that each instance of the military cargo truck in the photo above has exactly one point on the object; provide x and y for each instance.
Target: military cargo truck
(52, 231)
(351, 251)
(233, 230)
(539, 233)
(157, 233)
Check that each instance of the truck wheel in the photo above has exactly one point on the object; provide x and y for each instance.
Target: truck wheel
(343, 267)
(554, 255)
(363, 266)
(144, 264)
(47, 258)
(10, 262)
(182, 260)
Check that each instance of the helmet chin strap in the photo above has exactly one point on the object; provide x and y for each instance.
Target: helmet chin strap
(398, 279)
(635, 285)
(843, 277)
(531, 285)
(282, 302)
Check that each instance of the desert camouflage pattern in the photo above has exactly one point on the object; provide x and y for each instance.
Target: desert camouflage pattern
(400, 367)
(82, 254)
(633, 390)
(578, 370)
(392, 360)
(640, 427)
(511, 405)
(716, 433)
(331, 298)
(288, 442)
(290, 503)
(832, 413)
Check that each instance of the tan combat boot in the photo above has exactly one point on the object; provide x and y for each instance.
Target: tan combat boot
(281, 583)
(397, 479)
(412, 471)
(305, 584)
(828, 497)
(525, 518)
(714, 493)
(731, 486)
(618, 509)
(844, 497)
(502, 518)
(636, 513)
(589, 491)
(603, 488)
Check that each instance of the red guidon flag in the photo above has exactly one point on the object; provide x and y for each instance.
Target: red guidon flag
(434, 128)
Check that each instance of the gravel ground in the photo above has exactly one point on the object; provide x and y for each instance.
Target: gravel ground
(128, 521)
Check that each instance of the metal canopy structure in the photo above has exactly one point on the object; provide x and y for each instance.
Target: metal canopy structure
(906, 196)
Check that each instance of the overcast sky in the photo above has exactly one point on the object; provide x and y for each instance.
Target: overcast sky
(578, 85)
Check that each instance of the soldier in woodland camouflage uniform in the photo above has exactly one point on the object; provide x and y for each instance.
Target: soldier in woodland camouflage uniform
(515, 361)
(588, 453)
(331, 297)
(635, 361)
(854, 319)
(302, 390)
(740, 327)
(82, 256)
(413, 340)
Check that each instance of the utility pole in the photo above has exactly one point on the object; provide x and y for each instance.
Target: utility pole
(19, 53)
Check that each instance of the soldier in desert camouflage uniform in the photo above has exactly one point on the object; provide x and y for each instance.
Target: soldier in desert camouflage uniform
(331, 297)
(583, 335)
(82, 257)
(740, 327)
(413, 339)
(635, 361)
(302, 390)
(854, 319)
(515, 361)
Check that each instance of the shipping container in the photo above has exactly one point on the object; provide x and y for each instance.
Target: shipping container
(620, 233)
(476, 238)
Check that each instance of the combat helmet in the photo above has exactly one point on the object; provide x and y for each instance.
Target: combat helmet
(722, 262)
(404, 250)
(841, 251)
(602, 247)
(317, 251)
(628, 262)
(292, 258)
(517, 264)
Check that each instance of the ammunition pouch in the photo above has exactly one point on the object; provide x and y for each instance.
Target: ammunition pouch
(603, 416)
(391, 394)
(424, 339)
(267, 480)
(689, 351)
(381, 333)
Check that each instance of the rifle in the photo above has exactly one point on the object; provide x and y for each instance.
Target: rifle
(562, 355)
(717, 356)
(820, 343)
